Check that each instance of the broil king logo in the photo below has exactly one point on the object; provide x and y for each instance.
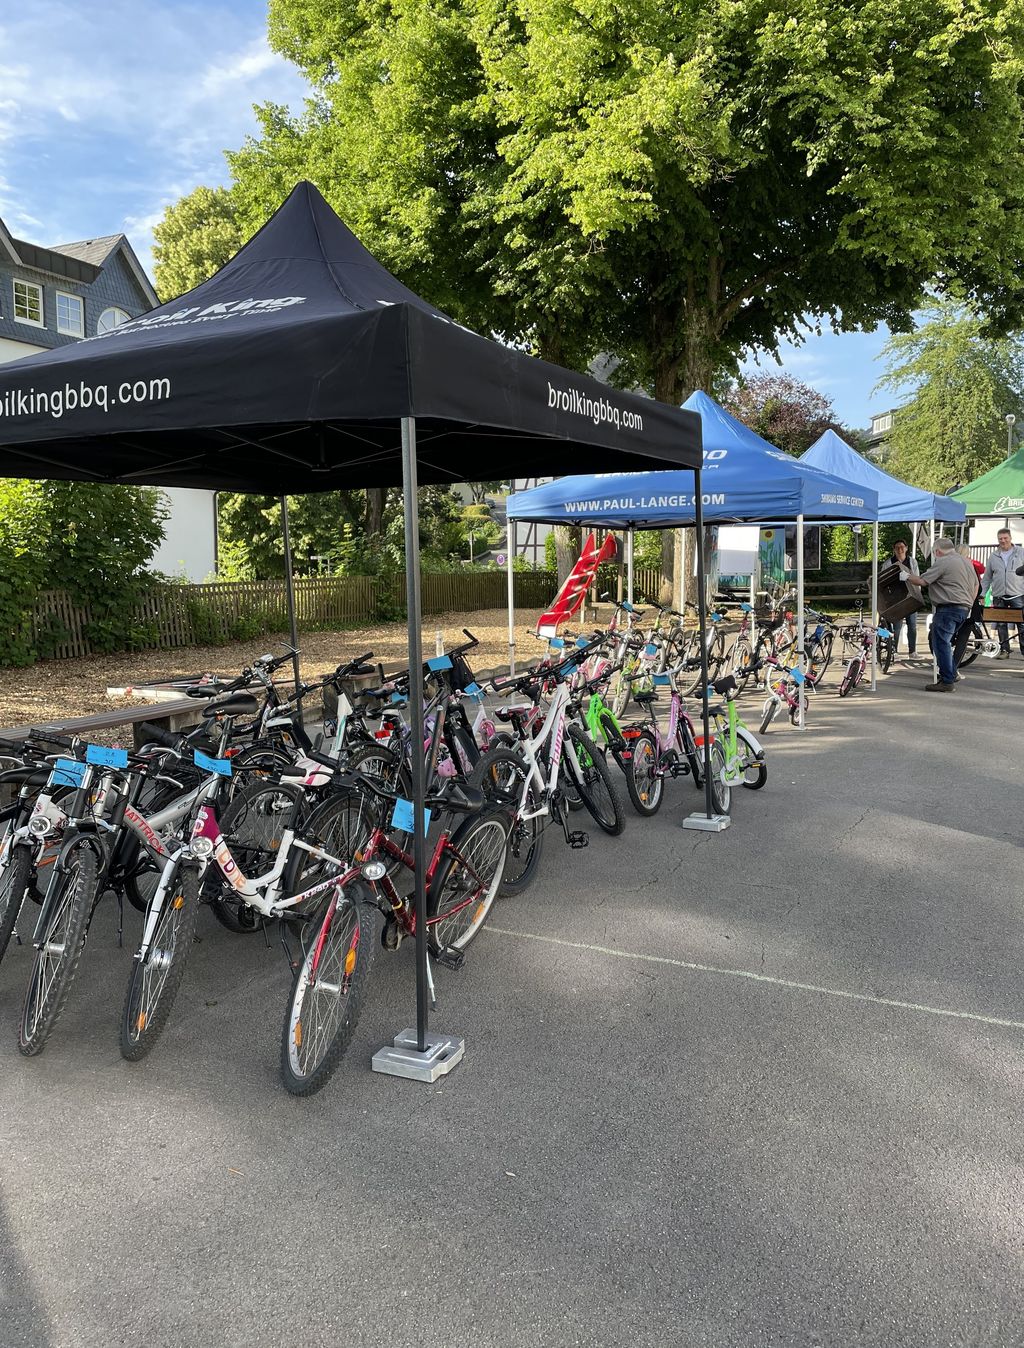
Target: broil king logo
(208, 313)
(1008, 505)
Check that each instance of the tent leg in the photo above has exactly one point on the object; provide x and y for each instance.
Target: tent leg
(801, 662)
(629, 565)
(510, 577)
(289, 589)
(874, 607)
(709, 821)
(931, 551)
(415, 1053)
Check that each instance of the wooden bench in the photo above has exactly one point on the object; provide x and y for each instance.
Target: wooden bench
(181, 714)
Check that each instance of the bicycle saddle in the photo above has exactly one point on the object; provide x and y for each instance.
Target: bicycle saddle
(647, 697)
(725, 685)
(459, 798)
(236, 704)
(32, 774)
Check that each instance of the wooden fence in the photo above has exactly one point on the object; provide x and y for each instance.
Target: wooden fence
(190, 615)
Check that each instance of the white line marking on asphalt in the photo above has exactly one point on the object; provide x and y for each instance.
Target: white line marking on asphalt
(761, 978)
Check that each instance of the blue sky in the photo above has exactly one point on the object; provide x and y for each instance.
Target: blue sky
(113, 109)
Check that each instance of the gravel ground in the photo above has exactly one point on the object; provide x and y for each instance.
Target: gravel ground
(53, 689)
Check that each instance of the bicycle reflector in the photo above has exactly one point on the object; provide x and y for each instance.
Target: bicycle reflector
(374, 870)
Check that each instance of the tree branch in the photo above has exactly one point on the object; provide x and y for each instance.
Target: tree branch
(735, 302)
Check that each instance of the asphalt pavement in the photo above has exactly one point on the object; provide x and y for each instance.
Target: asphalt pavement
(749, 1089)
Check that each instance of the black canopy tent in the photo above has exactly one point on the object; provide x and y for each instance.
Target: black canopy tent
(304, 366)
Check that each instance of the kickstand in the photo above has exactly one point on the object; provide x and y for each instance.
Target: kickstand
(266, 934)
(120, 919)
(430, 985)
(293, 963)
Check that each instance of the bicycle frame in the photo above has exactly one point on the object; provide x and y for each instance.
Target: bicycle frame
(552, 731)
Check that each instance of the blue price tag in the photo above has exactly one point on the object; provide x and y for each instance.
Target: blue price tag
(557, 643)
(398, 698)
(661, 680)
(581, 642)
(440, 662)
(884, 632)
(106, 758)
(401, 816)
(716, 617)
(473, 690)
(222, 766)
(650, 650)
(746, 608)
(67, 772)
(796, 676)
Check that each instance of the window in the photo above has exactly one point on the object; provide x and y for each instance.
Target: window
(28, 303)
(882, 423)
(70, 315)
(110, 319)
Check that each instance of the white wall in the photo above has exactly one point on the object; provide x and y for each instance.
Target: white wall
(188, 546)
(984, 531)
(15, 350)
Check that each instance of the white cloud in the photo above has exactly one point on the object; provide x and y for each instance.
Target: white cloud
(108, 113)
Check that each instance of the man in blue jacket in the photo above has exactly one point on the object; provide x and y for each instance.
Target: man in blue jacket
(1007, 586)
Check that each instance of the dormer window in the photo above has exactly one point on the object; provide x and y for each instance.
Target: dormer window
(110, 319)
(70, 315)
(28, 303)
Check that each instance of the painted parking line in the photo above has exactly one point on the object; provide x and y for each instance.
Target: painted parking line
(752, 977)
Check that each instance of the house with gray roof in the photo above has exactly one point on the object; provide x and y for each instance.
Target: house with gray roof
(52, 296)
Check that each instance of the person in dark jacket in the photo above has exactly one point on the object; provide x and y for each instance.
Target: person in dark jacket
(902, 557)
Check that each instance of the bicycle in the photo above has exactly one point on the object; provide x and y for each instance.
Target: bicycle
(745, 763)
(788, 689)
(862, 635)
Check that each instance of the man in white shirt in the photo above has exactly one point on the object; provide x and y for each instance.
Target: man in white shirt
(1007, 587)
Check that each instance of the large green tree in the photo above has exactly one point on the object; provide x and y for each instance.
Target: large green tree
(671, 183)
(958, 384)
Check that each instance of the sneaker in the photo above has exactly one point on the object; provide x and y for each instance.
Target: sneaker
(939, 687)
(1003, 655)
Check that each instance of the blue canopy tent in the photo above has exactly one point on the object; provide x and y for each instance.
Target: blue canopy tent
(898, 502)
(745, 479)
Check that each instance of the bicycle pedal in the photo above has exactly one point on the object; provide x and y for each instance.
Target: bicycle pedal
(577, 838)
(678, 769)
(450, 958)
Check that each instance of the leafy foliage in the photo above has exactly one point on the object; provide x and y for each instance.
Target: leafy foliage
(783, 411)
(961, 384)
(669, 184)
(194, 239)
(95, 541)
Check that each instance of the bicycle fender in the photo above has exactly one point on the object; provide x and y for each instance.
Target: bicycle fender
(752, 741)
(76, 838)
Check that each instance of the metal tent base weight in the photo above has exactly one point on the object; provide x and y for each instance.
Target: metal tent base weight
(404, 1059)
(708, 823)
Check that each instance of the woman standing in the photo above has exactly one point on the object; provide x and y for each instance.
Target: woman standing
(906, 561)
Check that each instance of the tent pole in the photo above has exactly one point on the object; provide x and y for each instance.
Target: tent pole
(874, 607)
(801, 663)
(416, 1054)
(931, 551)
(629, 565)
(510, 579)
(709, 820)
(289, 589)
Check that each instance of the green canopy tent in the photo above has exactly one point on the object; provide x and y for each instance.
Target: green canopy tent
(1000, 491)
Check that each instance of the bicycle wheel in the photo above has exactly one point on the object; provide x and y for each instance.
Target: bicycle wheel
(501, 774)
(721, 792)
(883, 653)
(252, 826)
(755, 769)
(327, 993)
(155, 979)
(741, 657)
(466, 880)
(850, 678)
(622, 689)
(14, 881)
(973, 648)
(768, 711)
(53, 969)
(644, 782)
(593, 782)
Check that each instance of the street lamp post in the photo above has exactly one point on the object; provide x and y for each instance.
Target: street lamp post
(1010, 419)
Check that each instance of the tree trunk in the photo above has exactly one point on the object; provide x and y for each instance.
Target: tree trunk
(666, 589)
(567, 550)
(376, 498)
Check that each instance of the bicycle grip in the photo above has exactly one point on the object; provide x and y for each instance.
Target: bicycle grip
(46, 737)
(156, 734)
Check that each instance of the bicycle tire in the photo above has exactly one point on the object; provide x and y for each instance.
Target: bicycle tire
(466, 881)
(741, 657)
(14, 883)
(768, 713)
(645, 784)
(721, 792)
(494, 776)
(973, 647)
(252, 825)
(53, 970)
(154, 982)
(759, 768)
(883, 653)
(594, 783)
(850, 678)
(343, 945)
